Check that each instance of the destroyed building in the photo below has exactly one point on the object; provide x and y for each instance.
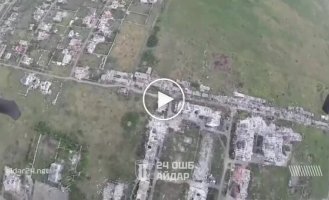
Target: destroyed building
(141, 80)
(118, 77)
(157, 132)
(197, 191)
(18, 187)
(256, 141)
(105, 23)
(33, 82)
(43, 191)
(90, 20)
(201, 115)
(81, 73)
(240, 182)
(96, 39)
(55, 173)
(60, 15)
(114, 191)
(199, 184)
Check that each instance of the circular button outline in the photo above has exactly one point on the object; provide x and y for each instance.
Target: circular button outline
(179, 111)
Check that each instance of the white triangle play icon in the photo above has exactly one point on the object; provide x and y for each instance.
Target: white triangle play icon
(163, 99)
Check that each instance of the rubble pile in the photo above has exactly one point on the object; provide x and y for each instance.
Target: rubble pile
(157, 132)
(81, 73)
(201, 115)
(19, 186)
(33, 82)
(114, 191)
(199, 184)
(240, 183)
(105, 23)
(270, 142)
(96, 39)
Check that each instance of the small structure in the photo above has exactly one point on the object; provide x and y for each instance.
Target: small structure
(204, 88)
(149, 1)
(2, 49)
(74, 158)
(198, 191)
(118, 77)
(21, 47)
(81, 73)
(59, 16)
(149, 71)
(31, 80)
(45, 26)
(114, 191)
(38, 14)
(55, 173)
(66, 58)
(94, 42)
(90, 20)
(42, 35)
(8, 56)
(45, 87)
(26, 60)
(105, 23)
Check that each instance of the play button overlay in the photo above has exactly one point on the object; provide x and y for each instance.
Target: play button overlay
(161, 99)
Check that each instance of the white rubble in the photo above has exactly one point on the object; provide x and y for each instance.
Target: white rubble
(274, 139)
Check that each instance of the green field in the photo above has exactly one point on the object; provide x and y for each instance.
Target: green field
(181, 148)
(278, 48)
(167, 191)
(95, 113)
(217, 163)
(314, 151)
(269, 183)
(272, 182)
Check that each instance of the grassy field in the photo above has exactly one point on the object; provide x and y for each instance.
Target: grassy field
(167, 191)
(275, 49)
(264, 188)
(16, 136)
(95, 113)
(128, 45)
(181, 148)
(311, 151)
(217, 159)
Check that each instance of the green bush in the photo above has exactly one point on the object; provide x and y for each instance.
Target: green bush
(148, 58)
(153, 40)
(195, 85)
